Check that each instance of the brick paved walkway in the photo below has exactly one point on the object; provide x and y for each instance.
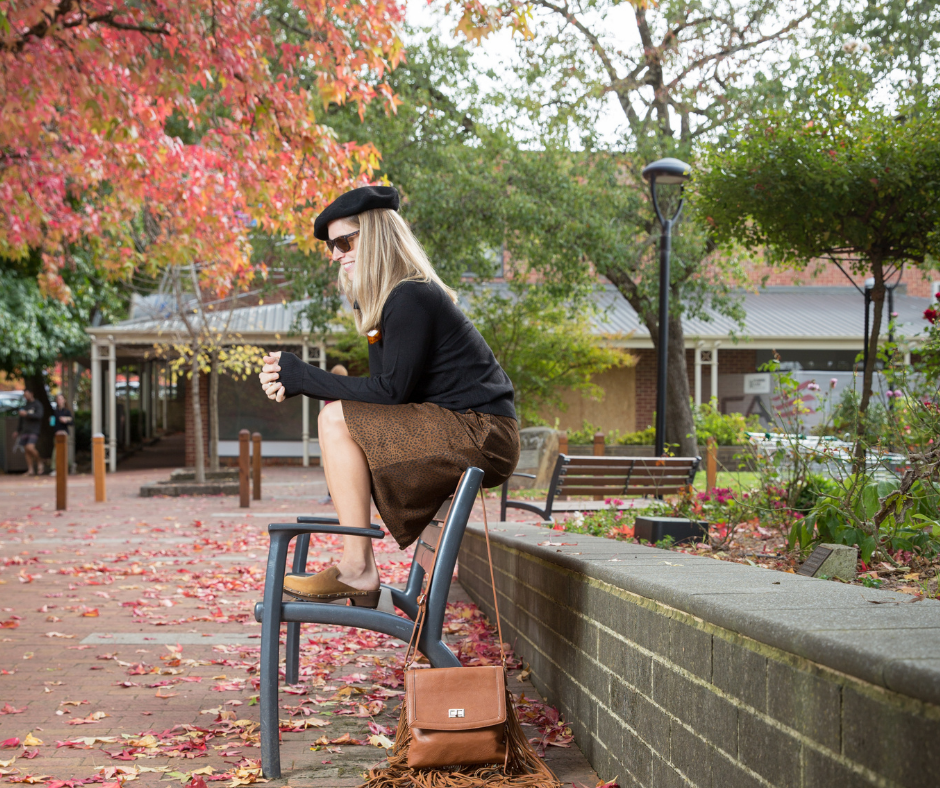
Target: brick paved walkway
(128, 649)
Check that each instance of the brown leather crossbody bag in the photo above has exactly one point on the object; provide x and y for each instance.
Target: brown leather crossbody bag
(457, 716)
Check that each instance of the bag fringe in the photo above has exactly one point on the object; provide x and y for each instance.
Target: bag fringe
(523, 768)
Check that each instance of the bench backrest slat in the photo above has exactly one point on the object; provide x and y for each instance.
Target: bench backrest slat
(615, 476)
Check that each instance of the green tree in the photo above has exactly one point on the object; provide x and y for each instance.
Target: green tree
(858, 187)
(544, 347)
(37, 330)
(678, 71)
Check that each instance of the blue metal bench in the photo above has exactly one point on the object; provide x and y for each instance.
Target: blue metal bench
(272, 611)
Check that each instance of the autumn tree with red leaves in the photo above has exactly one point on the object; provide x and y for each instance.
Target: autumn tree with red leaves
(155, 133)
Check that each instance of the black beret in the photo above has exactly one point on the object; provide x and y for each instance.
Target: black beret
(355, 202)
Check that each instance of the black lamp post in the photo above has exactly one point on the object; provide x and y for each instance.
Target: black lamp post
(670, 171)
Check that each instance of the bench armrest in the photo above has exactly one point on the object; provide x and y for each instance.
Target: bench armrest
(325, 528)
(316, 518)
(526, 475)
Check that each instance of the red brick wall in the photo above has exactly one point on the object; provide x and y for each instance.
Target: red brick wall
(645, 372)
(730, 362)
(829, 275)
(190, 429)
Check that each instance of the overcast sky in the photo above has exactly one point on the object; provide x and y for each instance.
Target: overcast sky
(497, 52)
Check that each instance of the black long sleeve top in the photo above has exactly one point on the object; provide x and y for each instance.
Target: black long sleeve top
(31, 423)
(429, 351)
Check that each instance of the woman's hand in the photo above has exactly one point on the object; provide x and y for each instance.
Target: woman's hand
(269, 377)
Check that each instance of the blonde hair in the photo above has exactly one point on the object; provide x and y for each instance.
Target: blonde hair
(388, 255)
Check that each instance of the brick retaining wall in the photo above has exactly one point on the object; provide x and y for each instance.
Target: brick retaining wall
(676, 670)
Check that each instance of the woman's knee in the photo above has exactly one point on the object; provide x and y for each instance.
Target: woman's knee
(332, 422)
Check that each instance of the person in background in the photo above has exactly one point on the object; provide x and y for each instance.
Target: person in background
(27, 433)
(62, 419)
(338, 369)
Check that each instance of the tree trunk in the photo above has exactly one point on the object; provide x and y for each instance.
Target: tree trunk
(214, 411)
(36, 383)
(199, 453)
(680, 426)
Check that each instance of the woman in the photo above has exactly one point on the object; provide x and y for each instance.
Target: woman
(435, 402)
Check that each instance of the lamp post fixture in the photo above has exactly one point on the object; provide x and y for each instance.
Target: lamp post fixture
(669, 171)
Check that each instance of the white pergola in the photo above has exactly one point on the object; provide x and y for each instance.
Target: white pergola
(133, 342)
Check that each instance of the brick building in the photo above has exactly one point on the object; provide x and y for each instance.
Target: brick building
(814, 321)
(815, 328)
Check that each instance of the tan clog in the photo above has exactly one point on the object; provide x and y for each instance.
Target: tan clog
(325, 586)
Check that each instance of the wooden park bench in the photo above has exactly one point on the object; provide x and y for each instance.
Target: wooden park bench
(606, 478)
(444, 533)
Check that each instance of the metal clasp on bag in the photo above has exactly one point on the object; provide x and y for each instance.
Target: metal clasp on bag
(455, 712)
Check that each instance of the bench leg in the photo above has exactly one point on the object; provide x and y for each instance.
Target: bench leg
(440, 656)
(270, 641)
(292, 655)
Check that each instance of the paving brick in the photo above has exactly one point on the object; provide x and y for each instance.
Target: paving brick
(665, 776)
(806, 702)
(890, 740)
(609, 732)
(652, 631)
(769, 751)
(697, 706)
(740, 672)
(605, 608)
(727, 773)
(691, 648)
(820, 768)
(637, 759)
(648, 721)
(626, 662)
(691, 755)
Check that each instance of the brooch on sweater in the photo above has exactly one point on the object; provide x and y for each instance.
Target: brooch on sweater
(374, 336)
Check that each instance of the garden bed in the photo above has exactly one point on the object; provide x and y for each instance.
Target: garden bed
(765, 547)
(753, 543)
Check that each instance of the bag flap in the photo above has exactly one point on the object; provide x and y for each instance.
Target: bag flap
(450, 699)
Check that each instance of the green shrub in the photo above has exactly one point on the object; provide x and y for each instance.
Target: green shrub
(817, 486)
(873, 515)
(639, 438)
(726, 428)
(585, 436)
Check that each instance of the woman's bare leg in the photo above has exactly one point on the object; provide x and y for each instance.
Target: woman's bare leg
(350, 483)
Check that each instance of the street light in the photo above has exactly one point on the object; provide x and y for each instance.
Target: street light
(670, 171)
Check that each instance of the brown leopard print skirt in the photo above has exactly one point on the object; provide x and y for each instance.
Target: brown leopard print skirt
(417, 453)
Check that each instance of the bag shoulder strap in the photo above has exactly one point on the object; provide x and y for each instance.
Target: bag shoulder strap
(412, 651)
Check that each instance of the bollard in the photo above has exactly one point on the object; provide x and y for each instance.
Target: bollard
(711, 464)
(243, 492)
(563, 442)
(256, 465)
(97, 466)
(61, 470)
(598, 452)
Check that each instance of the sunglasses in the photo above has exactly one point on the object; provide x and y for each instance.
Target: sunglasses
(341, 242)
